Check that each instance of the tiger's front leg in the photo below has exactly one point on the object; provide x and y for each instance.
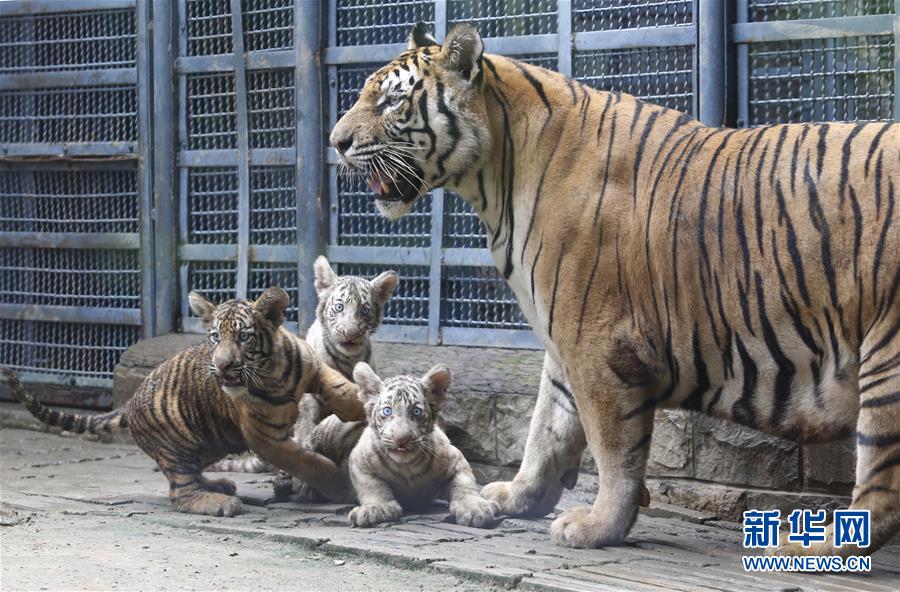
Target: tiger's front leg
(318, 471)
(618, 424)
(552, 452)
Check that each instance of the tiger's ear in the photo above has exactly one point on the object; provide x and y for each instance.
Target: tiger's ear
(420, 37)
(368, 382)
(325, 276)
(202, 308)
(384, 285)
(436, 382)
(462, 50)
(271, 304)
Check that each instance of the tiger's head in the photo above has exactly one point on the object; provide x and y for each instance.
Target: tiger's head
(419, 121)
(243, 336)
(351, 308)
(402, 410)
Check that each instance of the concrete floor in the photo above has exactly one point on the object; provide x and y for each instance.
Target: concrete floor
(79, 514)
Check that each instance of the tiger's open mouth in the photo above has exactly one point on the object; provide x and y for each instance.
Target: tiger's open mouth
(396, 189)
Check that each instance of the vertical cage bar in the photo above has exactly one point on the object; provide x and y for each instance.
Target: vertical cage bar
(896, 60)
(182, 170)
(164, 150)
(145, 168)
(243, 145)
(564, 37)
(741, 15)
(437, 216)
(309, 157)
(711, 60)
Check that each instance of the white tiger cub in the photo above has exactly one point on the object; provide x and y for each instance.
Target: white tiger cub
(400, 459)
(349, 311)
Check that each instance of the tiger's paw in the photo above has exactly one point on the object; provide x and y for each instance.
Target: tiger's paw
(223, 486)
(787, 548)
(475, 511)
(517, 498)
(583, 528)
(210, 504)
(372, 514)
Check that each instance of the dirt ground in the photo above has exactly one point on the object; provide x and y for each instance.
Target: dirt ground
(82, 515)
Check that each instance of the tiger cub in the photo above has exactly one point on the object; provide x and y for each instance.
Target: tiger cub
(349, 312)
(237, 391)
(402, 459)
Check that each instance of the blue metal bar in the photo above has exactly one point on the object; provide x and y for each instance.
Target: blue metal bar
(896, 60)
(440, 20)
(743, 68)
(243, 143)
(256, 60)
(310, 215)
(31, 80)
(145, 167)
(183, 199)
(564, 37)
(164, 149)
(71, 314)
(419, 256)
(402, 334)
(62, 378)
(257, 157)
(680, 35)
(437, 219)
(514, 45)
(468, 258)
(70, 149)
(846, 26)
(70, 240)
(32, 7)
(711, 61)
(260, 253)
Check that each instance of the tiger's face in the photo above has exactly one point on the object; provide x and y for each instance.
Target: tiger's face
(419, 122)
(351, 308)
(402, 410)
(242, 334)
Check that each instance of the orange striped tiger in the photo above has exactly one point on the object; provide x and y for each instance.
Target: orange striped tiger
(750, 274)
(236, 392)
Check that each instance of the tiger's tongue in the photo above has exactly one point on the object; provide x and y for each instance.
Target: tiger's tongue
(377, 185)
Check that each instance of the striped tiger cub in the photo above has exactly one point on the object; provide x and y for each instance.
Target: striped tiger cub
(238, 391)
(751, 274)
(399, 458)
(349, 311)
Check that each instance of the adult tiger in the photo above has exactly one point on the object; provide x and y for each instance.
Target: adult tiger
(751, 274)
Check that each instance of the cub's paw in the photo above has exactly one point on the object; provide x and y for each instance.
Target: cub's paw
(223, 486)
(210, 504)
(517, 498)
(370, 515)
(583, 528)
(475, 511)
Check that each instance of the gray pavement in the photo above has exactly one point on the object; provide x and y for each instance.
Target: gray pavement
(80, 514)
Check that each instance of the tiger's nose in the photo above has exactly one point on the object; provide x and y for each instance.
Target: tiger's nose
(341, 143)
(227, 366)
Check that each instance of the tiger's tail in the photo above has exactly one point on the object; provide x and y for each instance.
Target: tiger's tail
(249, 463)
(79, 424)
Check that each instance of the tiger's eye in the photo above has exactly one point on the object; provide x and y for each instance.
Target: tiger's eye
(418, 411)
(386, 411)
(366, 309)
(339, 307)
(214, 337)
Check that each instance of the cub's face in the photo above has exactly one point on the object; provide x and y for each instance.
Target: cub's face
(351, 308)
(402, 410)
(242, 333)
(419, 121)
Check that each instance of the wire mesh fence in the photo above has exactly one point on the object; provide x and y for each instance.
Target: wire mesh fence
(70, 84)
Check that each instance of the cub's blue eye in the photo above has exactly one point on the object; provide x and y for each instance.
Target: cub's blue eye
(418, 411)
(338, 307)
(386, 411)
(243, 336)
(366, 309)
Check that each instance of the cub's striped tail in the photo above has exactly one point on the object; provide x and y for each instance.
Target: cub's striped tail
(92, 424)
(247, 463)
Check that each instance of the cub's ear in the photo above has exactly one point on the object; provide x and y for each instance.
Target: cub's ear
(384, 285)
(271, 304)
(462, 50)
(436, 382)
(202, 308)
(420, 37)
(325, 276)
(368, 382)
